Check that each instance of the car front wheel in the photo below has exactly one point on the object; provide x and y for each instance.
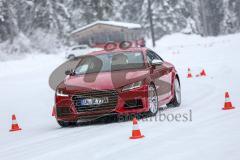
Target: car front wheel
(152, 100)
(66, 124)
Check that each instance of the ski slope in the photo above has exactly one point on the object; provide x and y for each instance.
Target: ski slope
(212, 133)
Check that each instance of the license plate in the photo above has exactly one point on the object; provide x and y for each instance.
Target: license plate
(94, 101)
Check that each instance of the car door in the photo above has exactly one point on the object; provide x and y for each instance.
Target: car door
(161, 75)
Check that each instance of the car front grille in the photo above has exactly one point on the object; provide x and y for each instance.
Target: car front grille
(112, 100)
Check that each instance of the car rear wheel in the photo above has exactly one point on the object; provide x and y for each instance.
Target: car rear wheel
(176, 101)
(152, 100)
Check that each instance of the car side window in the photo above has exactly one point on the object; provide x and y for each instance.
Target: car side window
(152, 55)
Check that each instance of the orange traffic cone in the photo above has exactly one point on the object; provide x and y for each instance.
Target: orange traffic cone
(136, 133)
(15, 126)
(203, 73)
(53, 112)
(189, 73)
(228, 103)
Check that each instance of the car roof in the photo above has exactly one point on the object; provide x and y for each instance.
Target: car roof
(133, 49)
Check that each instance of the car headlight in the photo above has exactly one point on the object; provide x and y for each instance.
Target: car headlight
(60, 93)
(132, 86)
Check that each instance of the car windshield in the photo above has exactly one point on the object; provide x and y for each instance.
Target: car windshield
(110, 62)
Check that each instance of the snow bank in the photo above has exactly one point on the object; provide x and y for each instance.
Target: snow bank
(178, 40)
(39, 42)
(21, 44)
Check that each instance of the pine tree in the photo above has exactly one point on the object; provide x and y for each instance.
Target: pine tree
(8, 24)
(214, 15)
(60, 17)
(230, 23)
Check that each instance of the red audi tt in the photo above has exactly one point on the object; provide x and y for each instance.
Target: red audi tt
(130, 81)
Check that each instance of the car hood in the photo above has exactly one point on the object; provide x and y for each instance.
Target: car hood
(104, 80)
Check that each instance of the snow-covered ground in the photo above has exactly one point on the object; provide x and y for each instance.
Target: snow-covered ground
(212, 133)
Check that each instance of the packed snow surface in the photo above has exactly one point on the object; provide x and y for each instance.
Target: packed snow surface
(211, 133)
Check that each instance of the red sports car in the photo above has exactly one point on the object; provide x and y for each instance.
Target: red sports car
(122, 82)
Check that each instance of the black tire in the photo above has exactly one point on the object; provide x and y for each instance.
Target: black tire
(153, 112)
(176, 101)
(71, 57)
(66, 124)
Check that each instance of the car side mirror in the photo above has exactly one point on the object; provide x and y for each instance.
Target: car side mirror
(69, 72)
(156, 62)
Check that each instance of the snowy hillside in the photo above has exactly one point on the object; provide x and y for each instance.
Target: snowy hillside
(211, 134)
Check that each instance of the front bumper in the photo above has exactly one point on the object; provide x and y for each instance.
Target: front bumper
(128, 102)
